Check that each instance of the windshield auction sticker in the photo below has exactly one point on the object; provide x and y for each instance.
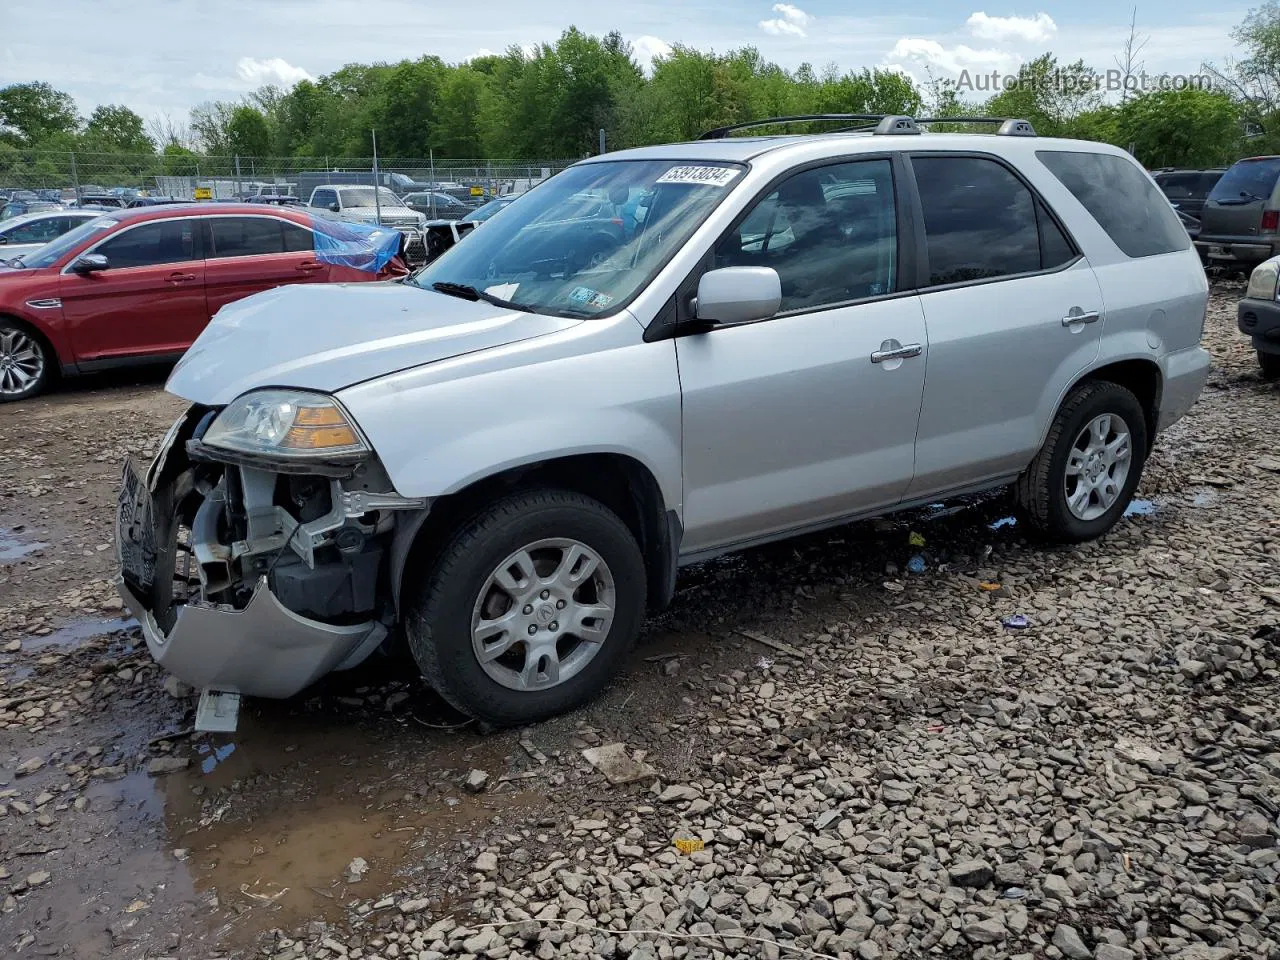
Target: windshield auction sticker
(701, 176)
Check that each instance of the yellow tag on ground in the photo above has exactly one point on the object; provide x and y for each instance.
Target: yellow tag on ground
(989, 587)
(917, 540)
(690, 846)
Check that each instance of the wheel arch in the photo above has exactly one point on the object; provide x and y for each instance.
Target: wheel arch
(1140, 375)
(620, 482)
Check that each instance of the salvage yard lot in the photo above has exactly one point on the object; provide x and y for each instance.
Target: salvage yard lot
(919, 781)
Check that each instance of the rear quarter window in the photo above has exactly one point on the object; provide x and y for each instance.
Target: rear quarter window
(1121, 198)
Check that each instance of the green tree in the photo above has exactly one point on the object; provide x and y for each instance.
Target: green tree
(178, 161)
(116, 129)
(1180, 128)
(248, 134)
(1050, 96)
(30, 113)
(1253, 80)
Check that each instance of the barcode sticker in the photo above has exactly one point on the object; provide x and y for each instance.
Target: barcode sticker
(701, 176)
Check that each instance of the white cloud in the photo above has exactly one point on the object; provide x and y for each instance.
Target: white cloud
(1035, 29)
(482, 52)
(646, 49)
(276, 71)
(791, 20)
(931, 53)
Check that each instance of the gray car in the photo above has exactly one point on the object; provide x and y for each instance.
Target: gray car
(506, 460)
(30, 231)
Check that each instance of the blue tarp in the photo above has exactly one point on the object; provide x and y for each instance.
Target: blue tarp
(362, 246)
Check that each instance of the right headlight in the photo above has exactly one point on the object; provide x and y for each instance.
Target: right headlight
(287, 423)
(1262, 282)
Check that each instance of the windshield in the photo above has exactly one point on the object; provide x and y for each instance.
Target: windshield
(1247, 180)
(587, 241)
(481, 214)
(363, 197)
(55, 250)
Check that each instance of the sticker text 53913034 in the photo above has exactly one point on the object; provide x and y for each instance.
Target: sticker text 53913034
(700, 176)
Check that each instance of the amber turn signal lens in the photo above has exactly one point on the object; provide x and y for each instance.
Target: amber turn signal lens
(319, 417)
(319, 438)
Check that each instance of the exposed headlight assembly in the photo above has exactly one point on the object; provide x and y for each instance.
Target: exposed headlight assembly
(1262, 282)
(295, 424)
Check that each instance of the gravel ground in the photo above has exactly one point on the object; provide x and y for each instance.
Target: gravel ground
(836, 757)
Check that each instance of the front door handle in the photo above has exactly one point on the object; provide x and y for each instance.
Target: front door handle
(1075, 316)
(890, 352)
(178, 277)
(309, 266)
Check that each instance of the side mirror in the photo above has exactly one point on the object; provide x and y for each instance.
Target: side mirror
(4, 239)
(334, 208)
(738, 295)
(89, 263)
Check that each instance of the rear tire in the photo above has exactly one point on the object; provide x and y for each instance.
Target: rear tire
(1080, 483)
(26, 362)
(485, 628)
(1270, 364)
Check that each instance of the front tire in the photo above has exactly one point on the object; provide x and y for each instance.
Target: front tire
(530, 609)
(1270, 364)
(26, 364)
(1080, 483)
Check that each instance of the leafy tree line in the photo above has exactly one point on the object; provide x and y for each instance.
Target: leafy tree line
(551, 102)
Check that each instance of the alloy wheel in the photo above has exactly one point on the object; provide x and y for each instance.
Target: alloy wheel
(543, 614)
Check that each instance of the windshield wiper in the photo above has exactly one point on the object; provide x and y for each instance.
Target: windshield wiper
(467, 292)
(1239, 201)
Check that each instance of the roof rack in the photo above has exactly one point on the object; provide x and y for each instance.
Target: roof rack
(719, 133)
(878, 123)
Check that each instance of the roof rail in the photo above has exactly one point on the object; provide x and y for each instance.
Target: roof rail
(882, 124)
(719, 133)
(1009, 126)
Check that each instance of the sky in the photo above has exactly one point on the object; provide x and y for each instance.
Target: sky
(168, 55)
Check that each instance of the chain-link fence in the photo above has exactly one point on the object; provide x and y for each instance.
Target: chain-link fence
(190, 176)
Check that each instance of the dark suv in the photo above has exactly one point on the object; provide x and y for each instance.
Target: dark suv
(1187, 190)
(1240, 222)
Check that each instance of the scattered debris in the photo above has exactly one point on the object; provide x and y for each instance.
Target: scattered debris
(618, 768)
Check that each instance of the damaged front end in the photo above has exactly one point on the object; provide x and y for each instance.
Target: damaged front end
(255, 575)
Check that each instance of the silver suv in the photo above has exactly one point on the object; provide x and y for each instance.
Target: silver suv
(655, 357)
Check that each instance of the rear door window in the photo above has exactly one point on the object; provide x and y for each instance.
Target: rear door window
(1248, 181)
(1121, 198)
(980, 220)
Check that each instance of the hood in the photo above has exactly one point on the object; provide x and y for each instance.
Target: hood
(329, 336)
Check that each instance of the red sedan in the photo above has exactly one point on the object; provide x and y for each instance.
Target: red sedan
(138, 286)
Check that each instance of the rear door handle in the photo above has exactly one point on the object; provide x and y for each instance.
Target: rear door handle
(177, 277)
(309, 266)
(905, 352)
(1077, 316)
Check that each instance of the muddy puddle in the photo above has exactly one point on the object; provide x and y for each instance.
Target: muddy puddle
(267, 820)
(75, 633)
(16, 545)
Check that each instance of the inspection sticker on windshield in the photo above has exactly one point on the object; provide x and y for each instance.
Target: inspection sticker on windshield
(590, 297)
(701, 176)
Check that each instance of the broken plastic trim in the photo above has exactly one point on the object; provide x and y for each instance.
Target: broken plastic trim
(335, 467)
